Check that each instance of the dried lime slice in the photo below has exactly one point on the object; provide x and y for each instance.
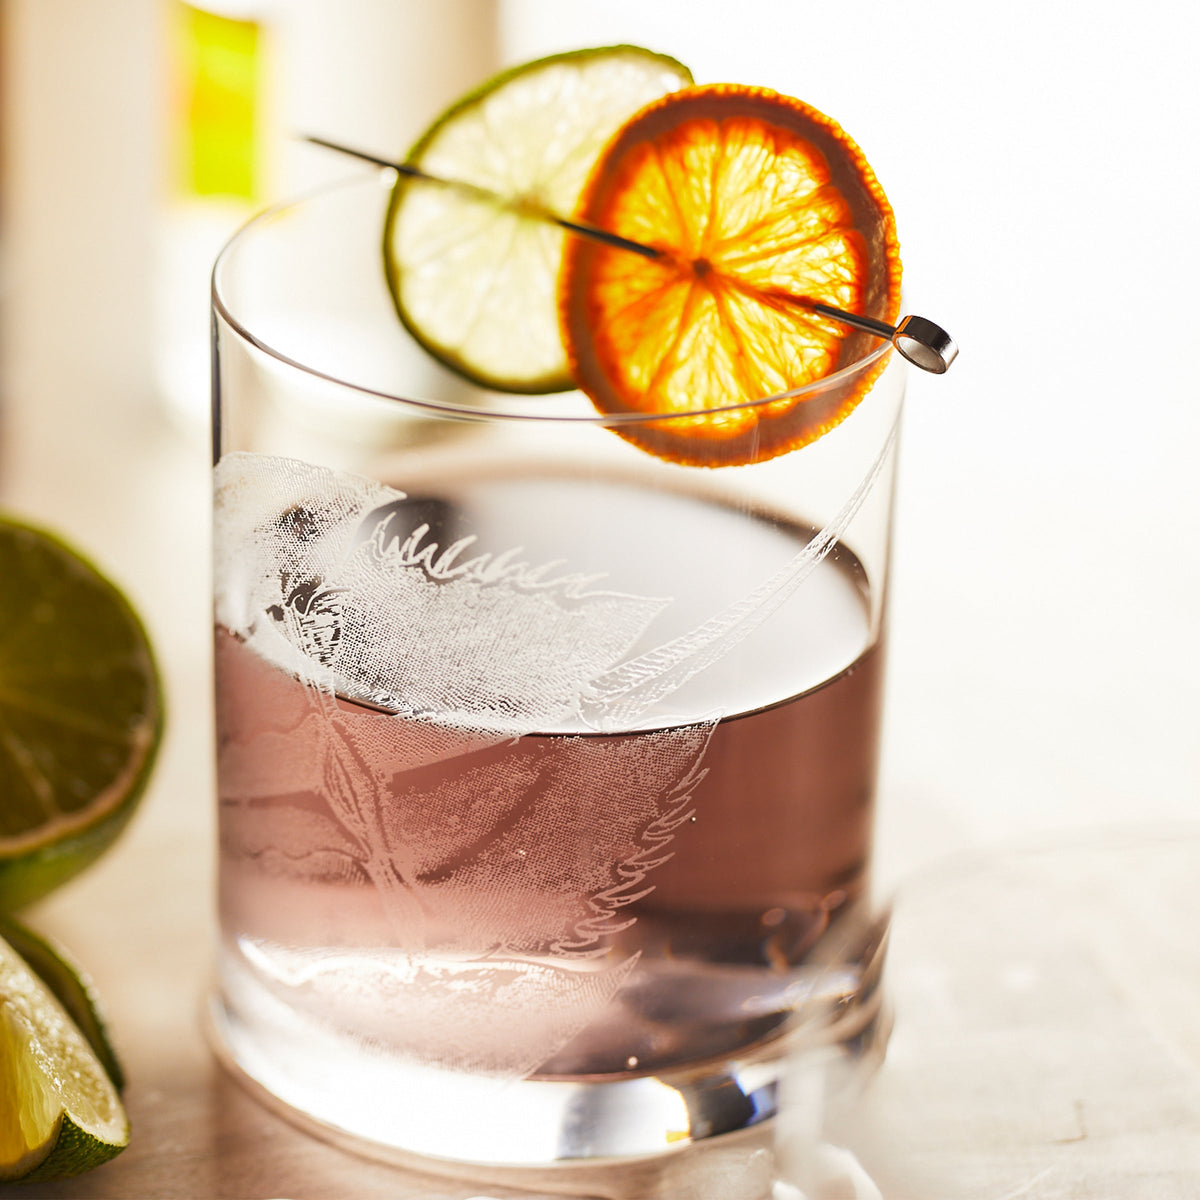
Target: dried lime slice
(80, 713)
(60, 1113)
(475, 281)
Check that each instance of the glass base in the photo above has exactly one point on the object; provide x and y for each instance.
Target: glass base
(553, 1133)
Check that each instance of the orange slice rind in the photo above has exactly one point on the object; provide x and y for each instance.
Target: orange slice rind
(756, 203)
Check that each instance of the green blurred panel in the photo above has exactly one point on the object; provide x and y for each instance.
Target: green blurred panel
(218, 63)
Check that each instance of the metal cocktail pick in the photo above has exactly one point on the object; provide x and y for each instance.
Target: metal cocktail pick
(922, 342)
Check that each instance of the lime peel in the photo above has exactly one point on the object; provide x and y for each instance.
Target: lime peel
(81, 713)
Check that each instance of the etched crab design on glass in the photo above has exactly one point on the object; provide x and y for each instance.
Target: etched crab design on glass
(542, 764)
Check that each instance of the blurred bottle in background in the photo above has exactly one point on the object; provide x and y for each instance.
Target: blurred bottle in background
(218, 160)
(244, 78)
(138, 135)
(80, 129)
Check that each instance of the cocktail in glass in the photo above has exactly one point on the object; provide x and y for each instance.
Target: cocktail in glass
(546, 765)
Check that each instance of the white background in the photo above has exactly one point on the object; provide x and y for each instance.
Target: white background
(1044, 163)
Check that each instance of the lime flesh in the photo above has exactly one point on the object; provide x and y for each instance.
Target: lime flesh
(72, 988)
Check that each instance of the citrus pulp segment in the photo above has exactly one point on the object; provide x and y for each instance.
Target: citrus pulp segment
(59, 1111)
(474, 280)
(80, 713)
(756, 204)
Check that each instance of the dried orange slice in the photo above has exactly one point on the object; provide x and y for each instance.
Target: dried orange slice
(755, 203)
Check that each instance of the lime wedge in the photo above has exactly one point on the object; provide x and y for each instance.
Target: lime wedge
(59, 1111)
(80, 713)
(72, 988)
(475, 281)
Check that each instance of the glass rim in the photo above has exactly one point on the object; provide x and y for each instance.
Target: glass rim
(446, 408)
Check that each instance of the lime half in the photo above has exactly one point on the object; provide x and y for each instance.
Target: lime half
(80, 713)
(475, 281)
(60, 1113)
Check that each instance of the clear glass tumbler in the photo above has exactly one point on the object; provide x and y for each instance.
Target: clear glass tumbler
(546, 766)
